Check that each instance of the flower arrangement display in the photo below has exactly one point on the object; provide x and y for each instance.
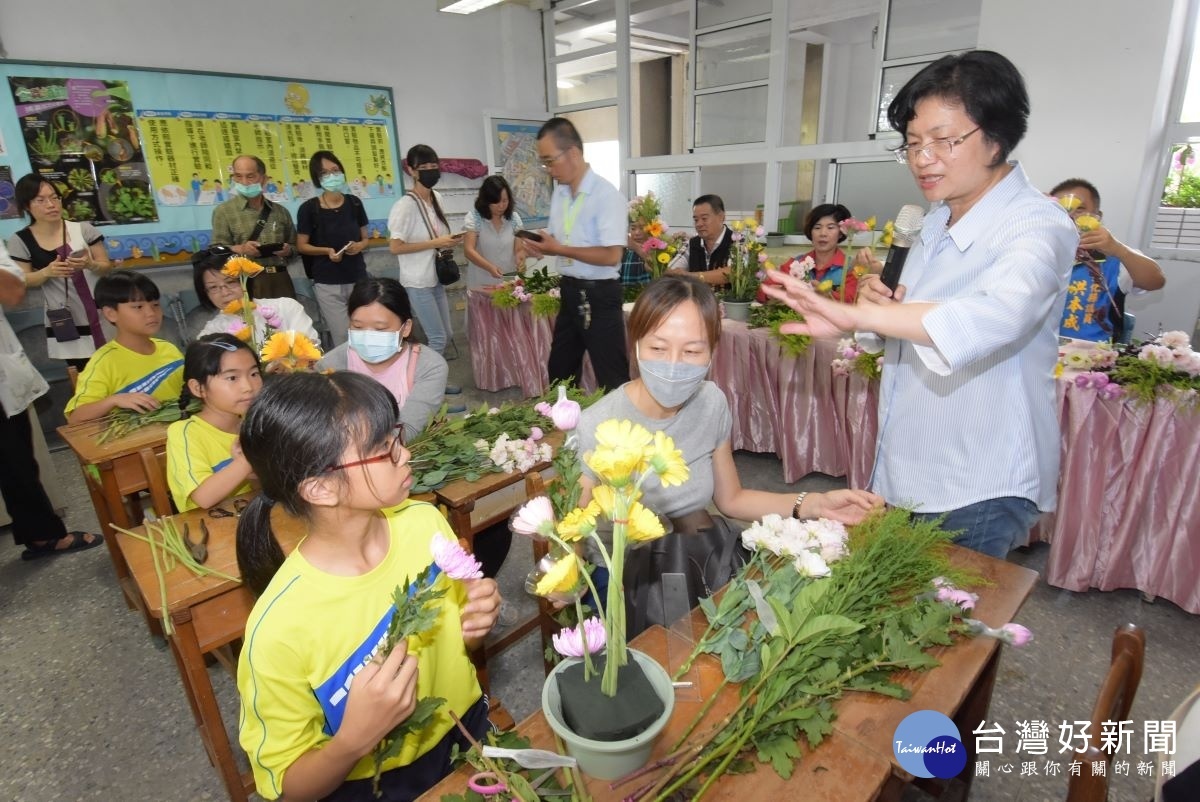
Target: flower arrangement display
(1165, 367)
(416, 609)
(772, 315)
(852, 358)
(747, 260)
(834, 611)
(536, 287)
(645, 212)
(626, 455)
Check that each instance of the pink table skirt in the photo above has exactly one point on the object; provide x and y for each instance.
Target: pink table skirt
(510, 347)
(1128, 499)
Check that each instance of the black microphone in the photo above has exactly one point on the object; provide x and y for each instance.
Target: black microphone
(904, 234)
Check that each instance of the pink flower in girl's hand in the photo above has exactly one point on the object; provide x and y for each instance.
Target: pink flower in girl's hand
(455, 561)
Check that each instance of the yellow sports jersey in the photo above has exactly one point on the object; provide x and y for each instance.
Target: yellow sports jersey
(115, 369)
(311, 632)
(195, 451)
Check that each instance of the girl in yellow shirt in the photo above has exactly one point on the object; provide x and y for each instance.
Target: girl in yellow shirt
(205, 464)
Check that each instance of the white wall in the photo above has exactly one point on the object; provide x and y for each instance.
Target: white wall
(1099, 83)
(444, 69)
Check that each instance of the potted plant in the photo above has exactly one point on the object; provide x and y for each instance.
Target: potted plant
(746, 262)
(608, 717)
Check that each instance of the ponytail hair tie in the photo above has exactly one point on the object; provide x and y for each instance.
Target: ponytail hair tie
(270, 502)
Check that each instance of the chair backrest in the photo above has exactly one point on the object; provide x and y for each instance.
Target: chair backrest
(1113, 704)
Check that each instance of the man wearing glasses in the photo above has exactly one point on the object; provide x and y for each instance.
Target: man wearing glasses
(253, 227)
(587, 235)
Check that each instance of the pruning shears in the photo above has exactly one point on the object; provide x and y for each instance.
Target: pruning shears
(199, 548)
(489, 784)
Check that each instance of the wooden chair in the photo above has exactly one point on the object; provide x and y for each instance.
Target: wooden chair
(1113, 704)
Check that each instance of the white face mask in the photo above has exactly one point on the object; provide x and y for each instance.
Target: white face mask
(671, 384)
(374, 346)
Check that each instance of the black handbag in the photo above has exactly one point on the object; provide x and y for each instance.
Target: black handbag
(707, 556)
(443, 261)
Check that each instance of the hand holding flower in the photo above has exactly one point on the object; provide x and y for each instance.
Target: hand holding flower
(846, 506)
(482, 609)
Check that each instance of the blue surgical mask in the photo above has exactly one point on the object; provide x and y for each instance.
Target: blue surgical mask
(670, 383)
(374, 347)
(333, 182)
(247, 190)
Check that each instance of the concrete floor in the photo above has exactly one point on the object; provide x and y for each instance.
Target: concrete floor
(93, 709)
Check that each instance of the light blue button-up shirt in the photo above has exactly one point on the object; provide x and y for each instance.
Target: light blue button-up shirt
(602, 219)
(973, 416)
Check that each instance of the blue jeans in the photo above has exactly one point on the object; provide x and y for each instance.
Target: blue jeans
(432, 310)
(994, 527)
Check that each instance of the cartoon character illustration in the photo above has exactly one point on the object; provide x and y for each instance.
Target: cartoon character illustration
(377, 104)
(296, 99)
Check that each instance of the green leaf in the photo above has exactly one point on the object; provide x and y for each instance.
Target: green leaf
(823, 625)
(885, 688)
(781, 752)
(818, 726)
(434, 478)
(709, 608)
(747, 666)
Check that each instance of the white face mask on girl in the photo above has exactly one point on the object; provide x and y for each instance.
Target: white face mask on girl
(671, 384)
(374, 347)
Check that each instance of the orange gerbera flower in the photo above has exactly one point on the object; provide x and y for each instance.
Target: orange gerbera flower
(655, 229)
(234, 307)
(239, 266)
(243, 334)
(290, 350)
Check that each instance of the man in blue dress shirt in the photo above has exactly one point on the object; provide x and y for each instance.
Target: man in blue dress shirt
(587, 235)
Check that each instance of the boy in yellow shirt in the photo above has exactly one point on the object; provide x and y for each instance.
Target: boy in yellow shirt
(135, 370)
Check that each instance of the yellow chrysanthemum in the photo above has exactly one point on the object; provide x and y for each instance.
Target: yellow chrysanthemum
(643, 525)
(870, 223)
(1069, 202)
(622, 434)
(886, 240)
(664, 257)
(666, 461)
(825, 286)
(290, 349)
(736, 225)
(671, 249)
(234, 307)
(562, 577)
(577, 524)
(1087, 222)
(768, 265)
(750, 223)
(239, 266)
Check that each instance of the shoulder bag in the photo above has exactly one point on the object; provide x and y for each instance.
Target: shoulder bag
(443, 262)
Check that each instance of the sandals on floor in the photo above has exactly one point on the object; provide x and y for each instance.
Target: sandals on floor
(79, 542)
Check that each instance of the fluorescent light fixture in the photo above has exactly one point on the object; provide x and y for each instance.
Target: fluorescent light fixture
(565, 83)
(465, 6)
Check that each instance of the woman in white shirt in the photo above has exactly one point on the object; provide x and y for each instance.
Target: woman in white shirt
(419, 229)
(489, 235)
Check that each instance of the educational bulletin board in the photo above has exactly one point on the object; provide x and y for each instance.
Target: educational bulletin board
(146, 155)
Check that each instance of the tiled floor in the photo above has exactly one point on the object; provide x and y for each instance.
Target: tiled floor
(92, 707)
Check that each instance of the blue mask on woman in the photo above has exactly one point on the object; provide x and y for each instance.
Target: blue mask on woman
(333, 182)
(374, 347)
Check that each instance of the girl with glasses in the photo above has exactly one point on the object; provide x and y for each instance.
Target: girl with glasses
(64, 258)
(316, 698)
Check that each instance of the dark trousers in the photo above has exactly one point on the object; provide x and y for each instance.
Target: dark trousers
(273, 285)
(409, 782)
(33, 517)
(603, 339)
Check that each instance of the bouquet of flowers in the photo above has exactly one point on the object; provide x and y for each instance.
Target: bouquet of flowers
(243, 270)
(644, 211)
(1165, 367)
(851, 357)
(747, 261)
(289, 352)
(658, 252)
(537, 287)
